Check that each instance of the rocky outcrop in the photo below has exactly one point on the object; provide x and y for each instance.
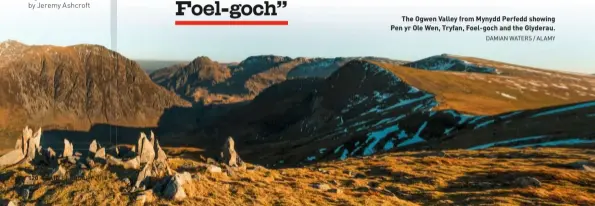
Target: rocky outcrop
(11, 158)
(68, 149)
(174, 188)
(94, 147)
(145, 149)
(150, 157)
(229, 156)
(27, 149)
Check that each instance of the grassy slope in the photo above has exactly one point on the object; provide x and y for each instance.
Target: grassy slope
(412, 178)
(476, 93)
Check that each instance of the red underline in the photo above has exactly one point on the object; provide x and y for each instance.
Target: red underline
(231, 23)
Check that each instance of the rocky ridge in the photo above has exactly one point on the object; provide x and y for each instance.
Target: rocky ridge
(210, 82)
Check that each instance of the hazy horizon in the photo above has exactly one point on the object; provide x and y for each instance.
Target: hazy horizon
(333, 28)
(294, 57)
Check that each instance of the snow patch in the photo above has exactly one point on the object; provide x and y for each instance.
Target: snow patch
(375, 137)
(506, 95)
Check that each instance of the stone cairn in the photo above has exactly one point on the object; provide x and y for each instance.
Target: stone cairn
(147, 156)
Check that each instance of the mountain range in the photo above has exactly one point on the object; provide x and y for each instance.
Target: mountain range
(276, 130)
(285, 111)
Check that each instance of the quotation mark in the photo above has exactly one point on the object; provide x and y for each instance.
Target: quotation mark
(281, 4)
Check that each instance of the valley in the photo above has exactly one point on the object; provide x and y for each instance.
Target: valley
(442, 130)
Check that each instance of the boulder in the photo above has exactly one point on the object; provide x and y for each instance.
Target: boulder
(588, 168)
(229, 155)
(152, 139)
(68, 149)
(11, 158)
(132, 163)
(527, 182)
(33, 145)
(174, 189)
(100, 154)
(145, 149)
(142, 176)
(160, 154)
(37, 139)
(30, 150)
(140, 142)
(94, 147)
(12, 203)
(27, 134)
(214, 169)
(321, 186)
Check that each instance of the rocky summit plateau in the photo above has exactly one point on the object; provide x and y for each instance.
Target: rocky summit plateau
(83, 125)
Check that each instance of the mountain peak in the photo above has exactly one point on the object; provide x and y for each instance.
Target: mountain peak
(202, 60)
(11, 42)
(265, 58)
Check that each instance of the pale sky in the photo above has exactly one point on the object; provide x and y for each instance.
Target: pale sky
(317, 28)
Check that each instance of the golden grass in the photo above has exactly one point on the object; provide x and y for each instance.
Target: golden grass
(473, 93)
(411, 178)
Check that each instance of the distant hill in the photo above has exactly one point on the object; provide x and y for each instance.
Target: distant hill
(75, 87)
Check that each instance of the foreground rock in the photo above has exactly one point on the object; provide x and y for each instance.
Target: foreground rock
(229, 156)
(527, 182)
(94, 147)
(11, 158)
(27, 148)
(145, 149)
(155, 166)
(132, 163)
(174, 188)
(68, 149)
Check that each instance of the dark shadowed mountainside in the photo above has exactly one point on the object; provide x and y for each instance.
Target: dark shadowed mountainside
(366, 107)
(75, 87)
